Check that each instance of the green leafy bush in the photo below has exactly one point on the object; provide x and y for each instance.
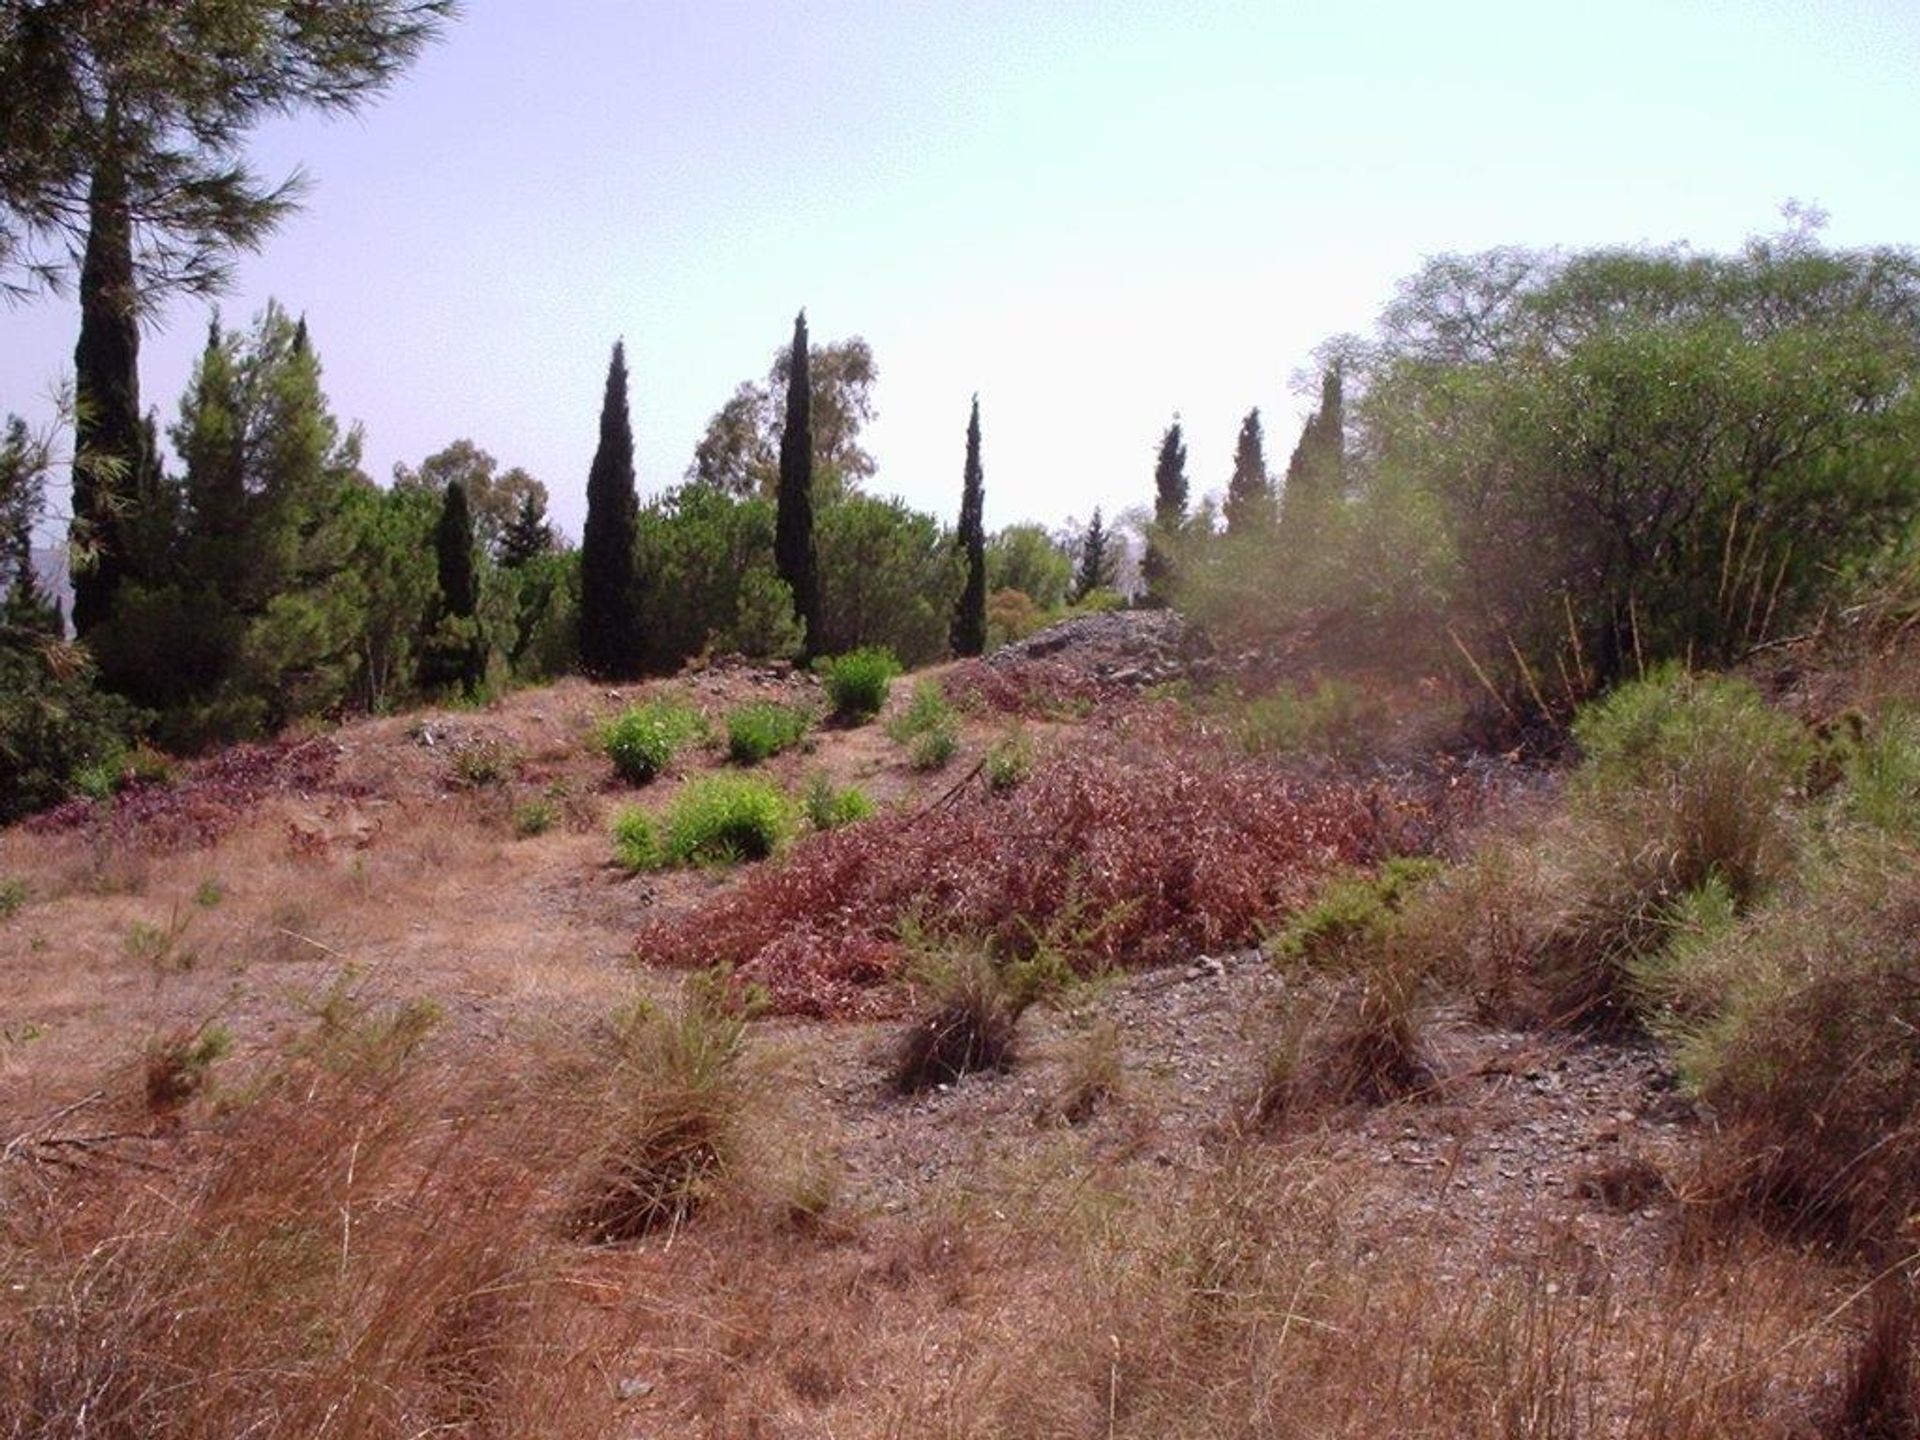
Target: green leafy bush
(13, 896)
(724, 819)
(642, 741)
(1334, 718)
(829, 809)
(932, 749)
(763, 728)
(927, 727)
(636, 845)
(859, 681)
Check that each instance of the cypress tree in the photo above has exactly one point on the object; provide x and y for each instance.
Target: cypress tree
(1317, 470)
(1169, 514)
(1249, 506)
(108, 456)
(609, 587)
(969, 632)
(453, 553)
(528, 535)
(1095, 570)
(793, 552)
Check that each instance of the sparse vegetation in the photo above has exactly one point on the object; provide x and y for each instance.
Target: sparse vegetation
(14, 895)
(636, 842)
(179, 1066)
(533, 817)
(1333, 718)
(1352, 916)
(828, 807)
(1009, 761)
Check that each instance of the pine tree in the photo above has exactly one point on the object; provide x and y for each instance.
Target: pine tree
(1169, 514)
(1317, 470)
(969, 632)
(26, 612)
(609, 586)
(793, 550)
(1249, 506)
(1096, 566)
(529, 535)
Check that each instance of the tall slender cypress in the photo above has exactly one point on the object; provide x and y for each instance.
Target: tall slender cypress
(793, 552)
(969, 633)
(108, 454)
(609, 586)
(1169, 514)
(1249, 504)
(453, 553)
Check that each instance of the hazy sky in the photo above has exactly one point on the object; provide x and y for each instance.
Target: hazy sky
(1094, 214)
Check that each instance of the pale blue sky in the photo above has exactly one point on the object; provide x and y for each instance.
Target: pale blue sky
(1093, 214)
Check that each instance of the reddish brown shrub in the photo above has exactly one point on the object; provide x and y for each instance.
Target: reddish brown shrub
(1032, 688)
(1113, 855)
(210, 797)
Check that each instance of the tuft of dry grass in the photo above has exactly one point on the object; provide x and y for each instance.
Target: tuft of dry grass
(970, 1023)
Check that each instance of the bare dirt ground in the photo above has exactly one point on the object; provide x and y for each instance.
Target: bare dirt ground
(992, 1258)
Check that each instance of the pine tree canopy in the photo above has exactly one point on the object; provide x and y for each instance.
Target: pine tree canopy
(1249, 506)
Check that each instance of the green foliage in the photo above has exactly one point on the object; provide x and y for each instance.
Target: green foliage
(1352, 917)
(1881, 770)
(829, 808)
(794, 552)
(636, 842)
(1097, 562)
(969, 632)
(610, 617)
(1334, 718)
(643, 739)
(725, 819)
(13, 896)
(1249, 504)
(764, 624)
(55, 727)
(1011, 615)
(1009, 761)
(858, 682)
(932, 749)
(179, 1066)
(533, 817)
(508, 508)
(890, 577)
(1026, 558)
(705, 560)
(763, 728)
(1169, 516)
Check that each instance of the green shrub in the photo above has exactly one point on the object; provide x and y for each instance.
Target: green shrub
(13, 897)
(1881, 769)
(1009, 761)
(642, 741)
(533, 817)
(928, 710)
(829, 809)
(858, 682)
(763, 728)
(932, 749)
(1796, 1025)
(1335, 718)
(483, 761)
(724, 819)
(1352, 916)
(636, 846)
